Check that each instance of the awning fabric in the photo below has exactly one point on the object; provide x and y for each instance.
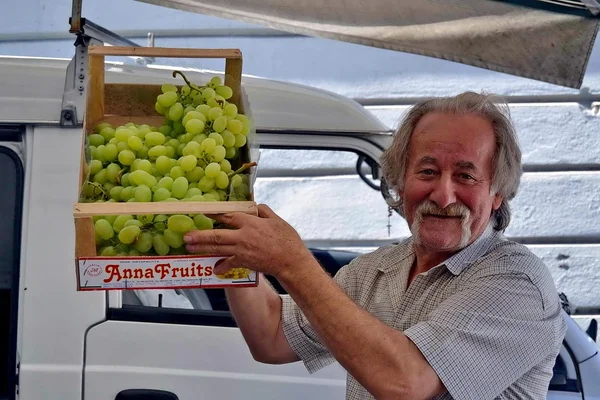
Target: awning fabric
(533, 39)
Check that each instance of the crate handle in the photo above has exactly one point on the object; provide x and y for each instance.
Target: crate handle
(164, 52)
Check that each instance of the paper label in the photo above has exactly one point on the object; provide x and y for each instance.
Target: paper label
(169, 272)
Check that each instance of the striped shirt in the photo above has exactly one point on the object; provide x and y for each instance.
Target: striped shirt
(488, 320)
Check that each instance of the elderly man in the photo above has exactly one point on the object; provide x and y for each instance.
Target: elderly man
(454, 312)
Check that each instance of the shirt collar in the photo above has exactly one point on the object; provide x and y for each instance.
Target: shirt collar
(405, 253)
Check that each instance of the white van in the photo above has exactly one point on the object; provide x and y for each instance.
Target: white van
(61, 344)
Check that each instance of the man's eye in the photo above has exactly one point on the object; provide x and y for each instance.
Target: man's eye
(467, 177)
(427, 172)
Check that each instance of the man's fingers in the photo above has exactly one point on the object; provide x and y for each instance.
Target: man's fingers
(215, 237)
(235, 220)
(264, 211)
(211, 249)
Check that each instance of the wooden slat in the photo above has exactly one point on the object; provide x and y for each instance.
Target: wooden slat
(233, 79)
(94, 110)
(164, 52)
(130, 99)
(85, 242)
(183, 207)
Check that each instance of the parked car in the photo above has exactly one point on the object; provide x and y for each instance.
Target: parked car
(65, 345)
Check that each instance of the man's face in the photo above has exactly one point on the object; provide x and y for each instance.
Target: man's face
(446, 194)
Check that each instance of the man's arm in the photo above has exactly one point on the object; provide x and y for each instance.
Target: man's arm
(257, 311)
(380, 358)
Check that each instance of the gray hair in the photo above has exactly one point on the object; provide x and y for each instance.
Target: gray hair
(507, 155)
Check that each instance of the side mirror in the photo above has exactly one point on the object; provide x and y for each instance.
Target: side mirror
(592, 329)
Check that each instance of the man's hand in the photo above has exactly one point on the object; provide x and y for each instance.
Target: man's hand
(265, 243)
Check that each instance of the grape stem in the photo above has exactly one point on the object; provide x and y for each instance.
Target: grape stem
(187, 82)
(244, 167)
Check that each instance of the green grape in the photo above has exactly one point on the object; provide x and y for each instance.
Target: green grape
(225, 166)
(112, 171)
(191, 192)
(115, 192)
(224, 91)
(166, 182)
(219, 153)
(157, 151)
(188, 163)
(104, 229)
(168, 87)
(96, 139)
(143, 194)
(173, 239)
(99, 153)
(108, 133)
(145, 218)
(203, 109)
(155, 138)
(165, 130)
(110, 152)
(125, 179)
(108, 251)
(243, 189)
(194, 126)
(143, 131)
(167, 99)
(180, 223)
(120, 222)
(222, 195)
(95, 166)
(185, 90)
(170, 152)
(160, 222)
(234, 126)
(161, 194)
(217, 137)
(127, 193)
(201, 222)
(101, 177)
(208, 145)
(193, 184)
(236, 181)
(140, 177)
(175, 112)
(213, 102)
(163, 165)
(230, 153)
(98, 128)
(212, 170)
(192, 148)
(160, 109)
(135, 143)
(128, 234)
(222, 181)
(206, 184)
(178, 128)
(108, 185)
(230, 110)
(188, 137)
(143, 243)
(135, 222)
(113, 141)
(208, 93)
(123, 146)
(195, 174)
(240, 140)
(133, 253)
(228, 138)
(158, 242)
(176, 172)
(144, 165)
(133, 128)
(199, 138)
(126, 157)
(123, 134)
(193, 115)
(242, 118)
(143, 152)
(210, 197)
(214, 113)
(220, 124)
(180, 187)
(214, 82)
(172, 143)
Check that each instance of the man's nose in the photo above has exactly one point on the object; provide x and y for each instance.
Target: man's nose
(443, 193)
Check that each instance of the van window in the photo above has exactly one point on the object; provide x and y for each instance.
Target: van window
(321, 195)
(11, 181)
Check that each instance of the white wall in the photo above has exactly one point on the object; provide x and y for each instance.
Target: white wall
(557, 211)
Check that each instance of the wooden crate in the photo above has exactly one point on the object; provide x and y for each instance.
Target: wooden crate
(119, 104)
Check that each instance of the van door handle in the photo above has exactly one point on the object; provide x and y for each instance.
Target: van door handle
(145, 394)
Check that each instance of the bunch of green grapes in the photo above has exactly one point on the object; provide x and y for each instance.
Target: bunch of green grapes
(188, 158)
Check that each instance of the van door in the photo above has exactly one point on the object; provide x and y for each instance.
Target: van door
(11, 201)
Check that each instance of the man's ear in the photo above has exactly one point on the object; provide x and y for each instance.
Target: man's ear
(498, 198)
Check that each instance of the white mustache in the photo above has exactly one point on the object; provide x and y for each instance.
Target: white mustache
(453, 210)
